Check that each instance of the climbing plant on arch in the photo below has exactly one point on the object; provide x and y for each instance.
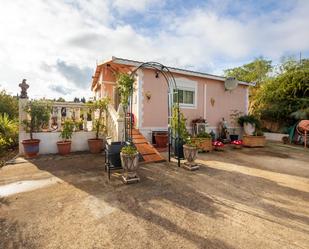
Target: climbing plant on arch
(172, 105)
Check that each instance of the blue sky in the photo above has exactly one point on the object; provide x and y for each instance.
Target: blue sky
(55, 44)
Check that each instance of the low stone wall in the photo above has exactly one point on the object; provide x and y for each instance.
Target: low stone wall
(49, 139)
(274, 136)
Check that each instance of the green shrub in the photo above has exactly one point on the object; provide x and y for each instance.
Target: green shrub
(190, 143)
(258, 133)
(203, 135)
(100, 105)
(39, 112)
(181, 130)
(248, 119)
(8, 133)
(129, 150)
(67, 130)
(8, 105)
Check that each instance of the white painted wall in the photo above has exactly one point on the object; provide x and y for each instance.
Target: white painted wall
(275, 136)
(49, 139)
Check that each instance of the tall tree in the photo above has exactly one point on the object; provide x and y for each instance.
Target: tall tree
(256, 71)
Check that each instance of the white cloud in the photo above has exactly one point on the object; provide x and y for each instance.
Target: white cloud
(36, 35)
(136, 5)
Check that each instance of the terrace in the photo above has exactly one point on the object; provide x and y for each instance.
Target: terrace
(235, 200)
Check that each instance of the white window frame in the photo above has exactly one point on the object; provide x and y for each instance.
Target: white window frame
(187, 85)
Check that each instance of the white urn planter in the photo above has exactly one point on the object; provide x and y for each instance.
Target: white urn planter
(190, 154)
(249, 128)
(130, 166)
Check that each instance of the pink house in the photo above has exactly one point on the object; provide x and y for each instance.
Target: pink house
(202, 95)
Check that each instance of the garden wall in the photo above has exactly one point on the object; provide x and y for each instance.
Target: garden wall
(274, 136)
(49, 139)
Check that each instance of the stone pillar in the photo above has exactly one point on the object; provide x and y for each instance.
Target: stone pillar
(69, 113)
(50, 123)
(59, 116)
(85, 111)
(77, 114)
(22, 114)
(120, 123)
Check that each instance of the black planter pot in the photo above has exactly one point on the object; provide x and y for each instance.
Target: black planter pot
(113, 153)
(178, 149)
(234, 137)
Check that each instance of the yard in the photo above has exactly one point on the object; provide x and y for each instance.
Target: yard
(249, 198)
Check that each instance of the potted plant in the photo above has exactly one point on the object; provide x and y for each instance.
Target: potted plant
(179, 132)
(161, 139)
(129, 161)
(237, 144)
(79, 125)
(218, 145)
(64, 146)
(249, 123)
(256, 140)
(39, 114)
(234, 116)
(203, 141)
(96, 144)
(190, 150)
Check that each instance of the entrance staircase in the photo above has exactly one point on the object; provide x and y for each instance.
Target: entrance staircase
(147, 151)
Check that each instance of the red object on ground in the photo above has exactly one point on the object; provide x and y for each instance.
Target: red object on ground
(237, 142)
(217, 144)
(303, 126)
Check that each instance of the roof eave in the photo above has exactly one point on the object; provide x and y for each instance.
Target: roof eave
(177, 70)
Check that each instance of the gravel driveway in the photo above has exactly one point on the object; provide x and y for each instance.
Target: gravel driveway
(249, 198)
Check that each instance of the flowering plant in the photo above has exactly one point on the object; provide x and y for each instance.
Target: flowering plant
(237, 142)
(217, 144)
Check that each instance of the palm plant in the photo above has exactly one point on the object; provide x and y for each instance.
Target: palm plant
(8, 131)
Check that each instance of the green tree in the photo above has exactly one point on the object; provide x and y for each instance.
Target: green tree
(60, 99)
(280, 95)
(256, 71)
(8, 105)
(285, 96)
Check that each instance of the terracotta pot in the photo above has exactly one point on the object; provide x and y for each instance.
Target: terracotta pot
(204, 144)
(161, 139)
(254, 141)
(190, 153)
(130, 165)
(64, 147)
(31, 147)
(95, 145)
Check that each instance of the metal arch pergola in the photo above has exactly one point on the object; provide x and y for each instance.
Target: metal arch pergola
(172, 91)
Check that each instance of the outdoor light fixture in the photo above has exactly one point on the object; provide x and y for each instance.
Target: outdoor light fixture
(157, 74)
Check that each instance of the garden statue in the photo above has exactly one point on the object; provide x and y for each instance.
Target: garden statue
(24, 86)
(223, 129)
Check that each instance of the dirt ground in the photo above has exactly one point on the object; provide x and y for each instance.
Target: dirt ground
(249, 198)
